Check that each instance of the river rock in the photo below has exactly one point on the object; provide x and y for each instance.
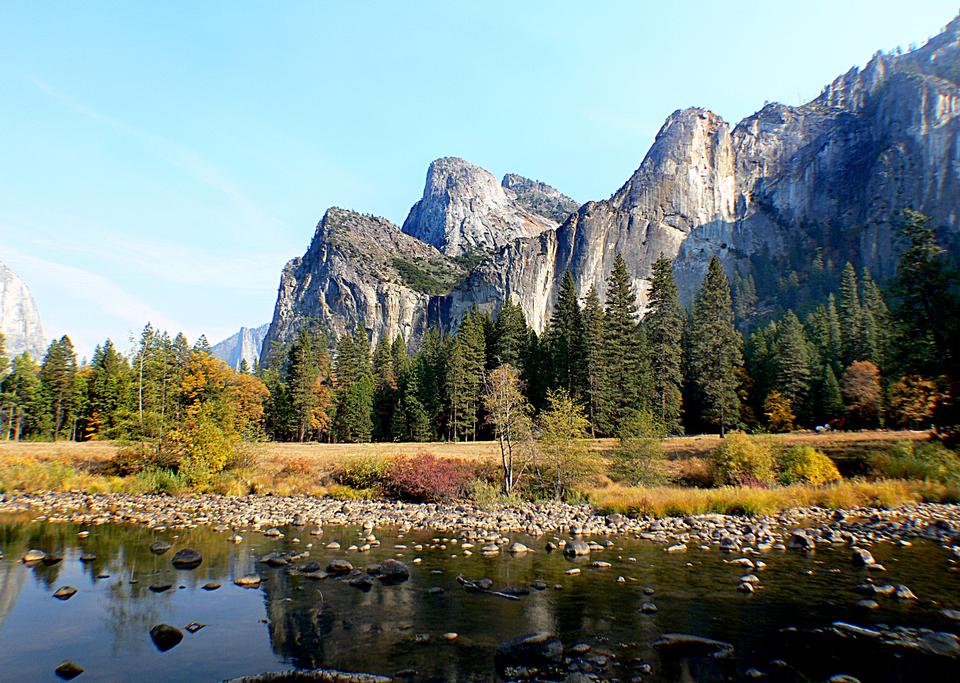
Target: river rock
(576, 548)
(159, 547)
(65, 592)
(862, 557)
(801, 540)
(517, 548)
(393, 571)
(68, 670)
(165, 637)
(187, 558)
(339, 567)
(248, 581)
(904, 593)
(33, 556)
(686, 645)
(534, 650)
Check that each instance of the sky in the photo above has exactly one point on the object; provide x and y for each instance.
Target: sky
(161, 161)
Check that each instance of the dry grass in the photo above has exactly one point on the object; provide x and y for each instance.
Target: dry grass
(668, 501)
(835, 444)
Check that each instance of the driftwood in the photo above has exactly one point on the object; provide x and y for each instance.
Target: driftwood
(475, 586)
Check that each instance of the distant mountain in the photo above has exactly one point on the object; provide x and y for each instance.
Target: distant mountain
(244, 345)
(19, 317)
(784, 198)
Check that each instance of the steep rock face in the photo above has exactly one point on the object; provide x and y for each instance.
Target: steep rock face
(19, 317)
(360, 270)
(465, 209)
(540, 198)
(832, 173)
(244, 345)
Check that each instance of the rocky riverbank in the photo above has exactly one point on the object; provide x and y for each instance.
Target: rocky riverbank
(802, 528)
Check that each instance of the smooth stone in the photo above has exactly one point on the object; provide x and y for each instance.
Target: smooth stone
(539, 649)
(33, 555)
(862, 558)
(212, 586)
(339, 567)
(65, 592)
(248, 581)
(194, 626)
(159, 547)
(686, 645)
(88, 557)
(576, 548)
(187, 558)
(517, 548)
(68, 670)
(393, 572)
(160, 587)
(165, 637)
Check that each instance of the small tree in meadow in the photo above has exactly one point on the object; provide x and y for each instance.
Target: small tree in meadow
(508, 412)
(563, 459)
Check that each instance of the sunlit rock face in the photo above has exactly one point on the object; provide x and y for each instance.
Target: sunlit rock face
(464, 209)
(244, 345)
(781, 184)
(19, 317)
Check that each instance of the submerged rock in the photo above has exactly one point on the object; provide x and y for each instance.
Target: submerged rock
(65, 592)
(68, 670)
(165, 637)
(248, 581)
(187, 558)
(686, 645)
(537, 650)
(393, 571)
(159, 547)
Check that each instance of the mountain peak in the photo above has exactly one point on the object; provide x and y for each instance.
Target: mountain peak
(465, 209)
(19, 317)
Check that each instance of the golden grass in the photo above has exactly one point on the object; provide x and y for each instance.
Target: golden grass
(666, 501)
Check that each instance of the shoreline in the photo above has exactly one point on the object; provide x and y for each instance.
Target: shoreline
(937, 522)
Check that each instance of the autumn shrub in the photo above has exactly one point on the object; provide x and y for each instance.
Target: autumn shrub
(806, 465)
(134, 458)
(157, 481)
(363, 473)
(487, 494)
(742, 460)
(929, 460)
(427, 479)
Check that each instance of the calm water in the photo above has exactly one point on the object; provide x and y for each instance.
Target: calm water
(296, 622)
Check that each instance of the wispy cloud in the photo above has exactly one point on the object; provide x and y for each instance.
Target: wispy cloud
(90, 294)
(178, 155)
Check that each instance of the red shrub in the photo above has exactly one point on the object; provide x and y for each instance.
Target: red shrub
(427, 479)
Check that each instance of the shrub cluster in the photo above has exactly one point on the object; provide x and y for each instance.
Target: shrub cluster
(427, 479)
(740, 460)
(930, 461)
(806, 465)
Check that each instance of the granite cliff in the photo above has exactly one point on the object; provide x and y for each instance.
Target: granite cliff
(767, 195)
(19, 318)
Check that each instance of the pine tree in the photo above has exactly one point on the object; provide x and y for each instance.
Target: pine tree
(715, 353)
(595, 357)
(57, 374)
(510, 333)
(354, 388)
(793, 363)
(385, 393)
(851, 316)
(564, 337)
(664, 325)
(876, 322)
(831, 400)
(23, 399)
(624, 347)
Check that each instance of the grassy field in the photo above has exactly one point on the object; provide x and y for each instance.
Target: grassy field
(838, 445)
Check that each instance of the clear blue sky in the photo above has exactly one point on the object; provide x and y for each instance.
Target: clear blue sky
(163, 160)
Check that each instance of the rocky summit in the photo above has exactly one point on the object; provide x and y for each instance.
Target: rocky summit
(19, 318)
(242, 346)
(766, 195)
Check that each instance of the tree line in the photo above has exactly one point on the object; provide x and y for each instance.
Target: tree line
(859, 357)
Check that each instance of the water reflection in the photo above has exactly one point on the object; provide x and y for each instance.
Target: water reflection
(295, 621)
